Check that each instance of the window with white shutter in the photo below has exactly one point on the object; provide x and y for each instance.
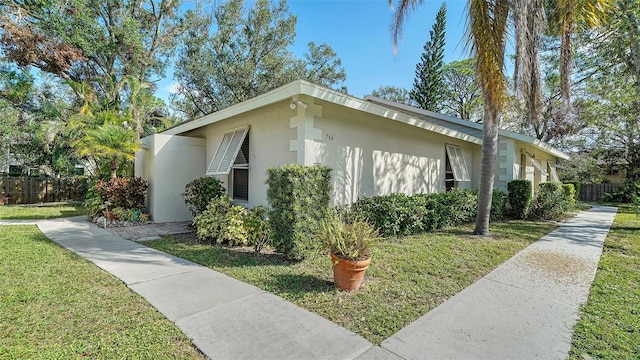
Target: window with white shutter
(536, 164)
(227, 152)
(458, 165)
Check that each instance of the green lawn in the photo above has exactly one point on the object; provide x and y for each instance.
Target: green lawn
(35, 212)
(406, 279)
(56, 305)
(609, 325)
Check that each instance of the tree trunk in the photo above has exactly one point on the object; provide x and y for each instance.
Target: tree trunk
(113, 166)
(487, 169)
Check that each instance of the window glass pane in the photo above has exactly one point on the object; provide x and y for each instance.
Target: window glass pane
(241, 184)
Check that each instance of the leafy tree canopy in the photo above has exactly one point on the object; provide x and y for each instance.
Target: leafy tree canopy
(247, 55)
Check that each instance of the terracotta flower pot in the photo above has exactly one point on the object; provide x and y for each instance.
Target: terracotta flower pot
(110, 215)
(348, 274)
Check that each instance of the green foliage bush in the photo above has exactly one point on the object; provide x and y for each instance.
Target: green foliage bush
(623, 194)
(127, 193)
(94, 202)
(199, 192)
(576, 186)
(399, 214)
(299, 197)
(520, 192)
(222, 222)
(257, 227)
(570, 197)
(550, 202)
(499, 201)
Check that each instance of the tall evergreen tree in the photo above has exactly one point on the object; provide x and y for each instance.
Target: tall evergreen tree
(428, 85)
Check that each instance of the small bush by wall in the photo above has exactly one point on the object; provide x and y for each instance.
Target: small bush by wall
(550, 202)
(298, 197)
(199, 192)
(520, 192)
(126, 193)
(224, 223)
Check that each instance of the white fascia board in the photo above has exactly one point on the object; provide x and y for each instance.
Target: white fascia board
(271, 97)
(303, 87)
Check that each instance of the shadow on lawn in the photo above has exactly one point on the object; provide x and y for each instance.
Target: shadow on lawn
(296, 284)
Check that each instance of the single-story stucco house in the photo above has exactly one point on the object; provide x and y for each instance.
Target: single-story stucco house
(374, 146)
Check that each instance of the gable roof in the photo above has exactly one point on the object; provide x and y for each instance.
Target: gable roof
(427, 120)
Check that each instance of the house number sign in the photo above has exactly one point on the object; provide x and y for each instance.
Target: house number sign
(328, 137)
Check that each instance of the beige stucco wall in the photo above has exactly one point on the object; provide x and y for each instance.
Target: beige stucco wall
(169, 163)
(269, 137)
(371, 155)
(530, 172)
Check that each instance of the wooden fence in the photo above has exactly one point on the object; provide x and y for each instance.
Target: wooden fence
(594, 192)
(28, 190)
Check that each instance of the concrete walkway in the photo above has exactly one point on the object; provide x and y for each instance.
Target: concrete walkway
(524, 309)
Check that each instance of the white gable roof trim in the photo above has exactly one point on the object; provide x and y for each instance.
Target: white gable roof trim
(447, 125)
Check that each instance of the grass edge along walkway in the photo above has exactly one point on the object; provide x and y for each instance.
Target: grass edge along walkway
(55, 305)
(609, 323)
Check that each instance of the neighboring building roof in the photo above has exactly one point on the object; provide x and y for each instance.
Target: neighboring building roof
(427, 120)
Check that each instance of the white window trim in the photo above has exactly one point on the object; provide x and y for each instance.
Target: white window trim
(553, 170)
(536, 163)
(225, 156)
(458, 165)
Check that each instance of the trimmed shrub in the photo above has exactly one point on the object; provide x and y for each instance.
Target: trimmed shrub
(550, 202)
(520, 192)
(299, 197)
(570, 198)
(399, 214)
(199, 193)
(127, 193)
(576, 186)
(499, 201)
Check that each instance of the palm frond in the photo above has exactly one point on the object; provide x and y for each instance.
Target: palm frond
(402, 11)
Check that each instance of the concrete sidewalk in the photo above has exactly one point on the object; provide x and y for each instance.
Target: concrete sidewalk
(525, 308)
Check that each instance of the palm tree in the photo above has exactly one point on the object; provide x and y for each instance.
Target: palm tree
(110, 141)
(487, 32)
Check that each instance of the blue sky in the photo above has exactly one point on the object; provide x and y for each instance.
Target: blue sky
(359, 32)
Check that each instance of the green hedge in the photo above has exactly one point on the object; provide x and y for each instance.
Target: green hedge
(399, 214)
(570, 197)
(520, 192)
(576, 186)
(299, 198)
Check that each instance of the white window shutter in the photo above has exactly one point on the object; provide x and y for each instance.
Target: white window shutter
(227, 152)
(536, 164)
(554, 172)
(458, 165)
